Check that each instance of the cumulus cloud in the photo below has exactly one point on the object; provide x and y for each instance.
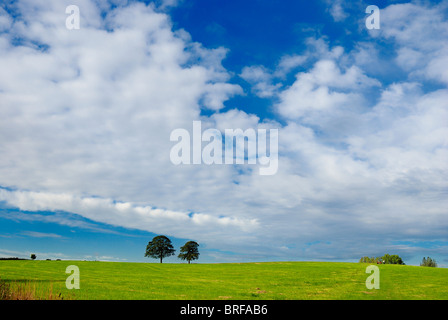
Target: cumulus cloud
(420, 48)
(290, 62)
(261, 80)
(86, 116)
(326, 96)
(337, 10)
(88, 107)
(267, 83)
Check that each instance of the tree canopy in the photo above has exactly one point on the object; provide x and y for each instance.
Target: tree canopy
(428, 262)
(386, 259)
(189, 251)
(392, 259)
(160, 247)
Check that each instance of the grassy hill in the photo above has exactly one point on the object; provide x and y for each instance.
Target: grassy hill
(252, 281)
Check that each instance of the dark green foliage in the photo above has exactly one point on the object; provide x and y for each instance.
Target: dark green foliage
(392, 259)
(160, 247)
(386, 259)
(33, 256)
(428, 262)
(189, 251)
(370, 260)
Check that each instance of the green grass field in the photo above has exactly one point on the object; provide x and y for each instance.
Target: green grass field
(232, 281)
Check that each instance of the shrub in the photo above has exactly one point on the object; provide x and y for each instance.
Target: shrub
(428, 262)
(386, 259)
(370, 260)
(392, 259)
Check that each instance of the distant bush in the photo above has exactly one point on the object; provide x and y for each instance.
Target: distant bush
(386, 259)
(428, 262)
(12, 258)
(370, 260)
(392, 259)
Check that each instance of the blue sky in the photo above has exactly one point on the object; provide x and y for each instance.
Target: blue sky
(86, 117)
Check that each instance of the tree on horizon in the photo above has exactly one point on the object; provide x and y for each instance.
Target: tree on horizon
(160, 247)
(189, 251)
(428, 262)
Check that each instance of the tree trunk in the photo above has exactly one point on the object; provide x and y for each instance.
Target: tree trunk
(188, 261)
(160, 259)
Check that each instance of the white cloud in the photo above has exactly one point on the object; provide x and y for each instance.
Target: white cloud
(290, 62)
(36, 234)
(419, 30)
(217, 93)
(337, 11)
(267, 83)
(261, 80)
(89, 109)
(85, 126)
(5, 20)
(324, 92)
(127, 215)
(169, 3)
